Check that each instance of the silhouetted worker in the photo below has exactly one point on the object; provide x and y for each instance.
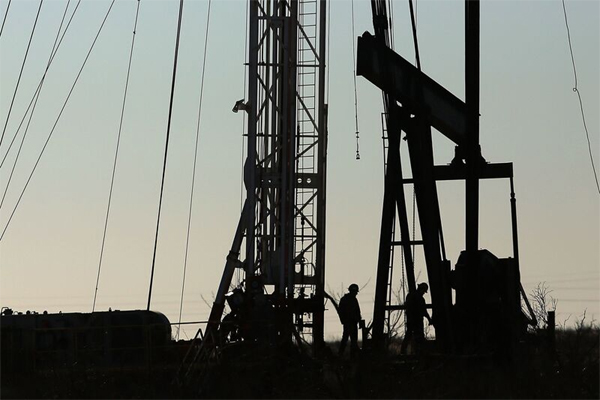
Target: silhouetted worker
(349, 312)
(416, 309)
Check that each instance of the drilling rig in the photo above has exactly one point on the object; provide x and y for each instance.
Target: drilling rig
(278, 248)
(279, 244)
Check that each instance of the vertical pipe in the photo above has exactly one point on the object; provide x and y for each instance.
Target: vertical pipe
(472, 21)
(319, 314)
(513, 214)
(291, 102)
(267, 241)
(250, 167)
(283, 132)
(515, 238)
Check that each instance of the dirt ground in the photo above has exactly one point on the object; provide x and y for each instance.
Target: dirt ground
(572, 371)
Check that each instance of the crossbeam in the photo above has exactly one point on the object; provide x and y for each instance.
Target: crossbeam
(414, 89)
(455, 173)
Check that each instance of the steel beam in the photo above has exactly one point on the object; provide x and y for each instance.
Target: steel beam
(484, 171)
(472, 292)
(417, 92)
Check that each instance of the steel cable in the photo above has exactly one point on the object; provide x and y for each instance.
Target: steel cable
(114, 169)
(5, 15)
(238, 273)
(189, 223)
(576, 90)
(413, 21)
(40, 84)
(164, 169)
(56, 123)
(247, 16)
(355, 91)
(36, 97)
(328, 51)
(12, 102)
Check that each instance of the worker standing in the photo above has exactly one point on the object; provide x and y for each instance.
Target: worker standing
(349, 312)
(416, 309)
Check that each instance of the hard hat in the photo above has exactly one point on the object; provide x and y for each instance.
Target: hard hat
(353, 288)
(423, 285)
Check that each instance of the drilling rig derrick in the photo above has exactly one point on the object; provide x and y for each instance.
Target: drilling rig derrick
(279, 244)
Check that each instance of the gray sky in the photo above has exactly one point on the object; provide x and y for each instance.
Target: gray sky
(530, 116)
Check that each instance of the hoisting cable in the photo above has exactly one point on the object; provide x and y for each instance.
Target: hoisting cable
(327, 65)
(36, 97)
(247, 16)
(391, 23)
(418, 61)
(162, 184)
(41, 83)
(355, 91)
(414, 31)
(5, 15)
(416, 13)
(238, 273)
(189, 224)
(56, 122)
(114, 169)
(12, 102)
(576, 90)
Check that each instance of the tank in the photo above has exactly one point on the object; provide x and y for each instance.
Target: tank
(32, 341)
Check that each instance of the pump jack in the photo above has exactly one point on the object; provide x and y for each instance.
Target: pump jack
(487, 313)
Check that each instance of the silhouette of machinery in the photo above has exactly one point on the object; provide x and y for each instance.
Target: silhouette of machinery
(279, 245)
(486, 314)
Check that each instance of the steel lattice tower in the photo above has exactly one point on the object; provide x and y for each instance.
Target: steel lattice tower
(280, 240)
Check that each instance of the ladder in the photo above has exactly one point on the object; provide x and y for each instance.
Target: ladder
(305, 233)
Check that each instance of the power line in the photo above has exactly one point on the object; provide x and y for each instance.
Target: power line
(5, 15)
(114, 169)
(56, 122)
(576, 90)
(162, 184)
(12, 102)
(189, 224)
(41, 83)
(36, 97)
